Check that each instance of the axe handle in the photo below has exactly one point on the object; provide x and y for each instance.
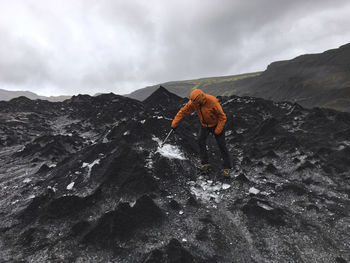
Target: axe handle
(166, 138)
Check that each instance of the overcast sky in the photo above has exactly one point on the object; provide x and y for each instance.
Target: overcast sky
(54, 47)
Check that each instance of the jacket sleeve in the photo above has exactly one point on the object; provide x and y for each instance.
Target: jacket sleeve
(221, 119)
(187, 109)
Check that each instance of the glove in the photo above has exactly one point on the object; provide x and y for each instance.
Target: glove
(216, 132)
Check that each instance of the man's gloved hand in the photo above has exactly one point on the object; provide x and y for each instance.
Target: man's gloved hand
(216, 132)
(174, 129)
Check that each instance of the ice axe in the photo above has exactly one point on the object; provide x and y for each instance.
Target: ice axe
(166, 137)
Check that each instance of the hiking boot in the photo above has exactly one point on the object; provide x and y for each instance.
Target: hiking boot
(227, 172)
(205, 167)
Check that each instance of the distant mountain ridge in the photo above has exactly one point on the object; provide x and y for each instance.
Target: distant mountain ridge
(6, 95)
(312, 80)
(183, 88)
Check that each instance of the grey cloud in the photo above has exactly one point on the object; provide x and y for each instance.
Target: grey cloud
(101, 46)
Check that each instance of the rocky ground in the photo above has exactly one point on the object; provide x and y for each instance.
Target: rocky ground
(85, 180)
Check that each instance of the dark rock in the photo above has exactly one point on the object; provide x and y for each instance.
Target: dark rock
(202, 235)
(65, 205)
(267, 126)
(207, 219)
(171, 253)
(305, 165)
(43, 169)
(295, 187)
(271, 154)
(192, 201)
(257, 209)
(246, 161)
(174, 205)
(124, 221)
(296, 160)
(340, 260)
(271, 168)
(260, 164)
(34, 208)
(242, 177)
(80, 228)
(176, 253)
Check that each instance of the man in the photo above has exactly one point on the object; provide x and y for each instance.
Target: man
(213, 120)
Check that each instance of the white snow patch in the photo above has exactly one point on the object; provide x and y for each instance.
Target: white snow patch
(143, 121)
(265, 206)
(126, 133)
(149, 161)
(225, 186)
(27, 180)
(22, 149)
(254, 191)
(70, 186)
(90, 165)
(15, 202)
(31, 197)
(227, 133)
(343, 145)
(169, 151)
(229, 101)
(240, 130)
(181, 212)
(52, 188)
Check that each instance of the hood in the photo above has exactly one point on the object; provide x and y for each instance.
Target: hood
(198, 97)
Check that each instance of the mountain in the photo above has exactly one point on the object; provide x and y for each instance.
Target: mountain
(85, 180)
(184, 88)
(6, 95)
(315, 80)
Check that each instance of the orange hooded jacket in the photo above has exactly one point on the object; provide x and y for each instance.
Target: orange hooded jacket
(208, 109)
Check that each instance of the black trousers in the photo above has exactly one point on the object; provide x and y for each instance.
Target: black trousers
(220, 139)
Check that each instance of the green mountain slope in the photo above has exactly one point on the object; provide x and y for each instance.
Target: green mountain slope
(312, 80)
(225, 85)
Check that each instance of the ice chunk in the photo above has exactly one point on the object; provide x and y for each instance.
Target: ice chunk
(207, 190)
(265, 206)
(31, 197)
(254, 191)
(52, 188)
(27, 180)
(89, 166)
(70, 186)
(169, 151)
(181, 212)
(15, 202)
(225, 186)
